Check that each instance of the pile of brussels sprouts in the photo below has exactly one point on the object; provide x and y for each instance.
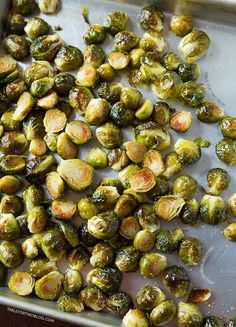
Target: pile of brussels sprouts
(120, 216)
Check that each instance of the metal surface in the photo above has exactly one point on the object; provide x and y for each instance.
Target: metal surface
(218, 71)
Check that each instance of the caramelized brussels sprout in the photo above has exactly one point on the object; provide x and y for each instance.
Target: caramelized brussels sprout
(118, 60)
(70, 303)
(41, 86)
(21, 283)
(190, 251)
(87, 76)
(115, 22)
(167, 86)
(189, 151)
(38, 147)
(176, 280)
(106, 72)
(73, 281)
(181, 25)
(94, 55)
(154, 161)
(135, 57)
(144, 240)
(150, 17)
(46, 47)
(38, 168)
(97, 158)
(148, 297)
(85, 237)
(228, 127)
(55, 185)
(163, 313)
(109, 135)
(24, 105)
(103, 226)
(168, 206)
(232, 204)
(189, 212)
(145, 111)
(129, 227)
(213, 209)
(192, 93)
(118, 159)
(185, 186)
(17, 46)
(152, 41)
(51, 141)
(119, 303)
(8, 123)
(130, 97)
(181, 121)
(13, 164)
(36, 27)
(53, 244)
(162, 113)
(10, 184)
(78, 257)
(29, 249)
(11, 254)
(33, 125)
(135, 316)
(230, 232)
(199, 295)
(37, 219)
(209, 112)
(37, 70)
(14, 89)
(152, 264)
(15, 24)
(142, 180)
(48, 101)
(65, 147)
(105, 197)
(11, 204)
(33, 196)
(79, 98)
(40, 267)
(102, 255)
(63, 209)
(68, 58)
(95, 34)
(212, 321)
(125, 205)
(218, 180)
(226, 151)
(93, 298)
(54, 121)
(48, 287)
(121, 115)
(147, 217)
(7, 65)
(125, 41)
(97, 112)
(189, 315)
(9, 229)
(170, 61)
(188, 71)
(150, 72)
(167, 241)
(127, 258)
(135, 151)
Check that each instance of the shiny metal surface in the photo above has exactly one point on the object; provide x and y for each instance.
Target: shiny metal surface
(218, 71)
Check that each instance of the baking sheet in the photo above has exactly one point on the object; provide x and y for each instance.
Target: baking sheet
(218, 71)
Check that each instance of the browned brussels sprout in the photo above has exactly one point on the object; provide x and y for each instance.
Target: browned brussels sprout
(127, 259)
(119, 303)
(17, 46)
(93, 298)
(176, 280)
(46, 47)
(115, 22)
(15, 24)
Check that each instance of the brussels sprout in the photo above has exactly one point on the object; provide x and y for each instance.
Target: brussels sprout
(38, 147)
(230, 232)
(24, 7)
(63, 83)
(152, 264)
(152, 136)
(54, 121)
(63, 209)
(189, 212)
(142, 180)
(213, 209)
(118, 159)
(103, 226)
(130, 97)
(23, 225)
(10, 184)
(41, 86)
(109, 135)
(185, 186)
(29, 249)
(97, 112)
(161, 188)
(51, 141)
(125, 41)
(172, 164)
(70, 232)
(53, 244)
(110, 91)
(102, 255)
(163, 313)
(95, 34)
(93, 298)
(176, 280)
(49, 6)
(199, 295)
(37, 70)
(194, 45)
(68, 58)
(144, 240)
(189, 72)
(79, 98)
(115, 22)
(70, 303)
(118, 60)
(218, 180)
(119, 303)
(145, 111)
(125, 205)
(181, 25)
(11, 254)
(181, 121)
(167, 241)
(150, 17)
(38, 168)
(46, 47)
(127, 259)
(114, 182)
(170, 61)
(162, 113)
(154, 161)
(189, 151)
(105, 197)
(228, 127)
(126, 173)
(226, 151)
(87, 76)
(107, 279)
(9, 229)
(11, 204)
(48, 287)
(212, 321)
(33, 196)
(150, 72)
(106, 72)
(37, 219)
(65, 148)
(94, 55)
(55, 185)
(135, 57)
(85, 237)
(135, 316)
(192, 93)
(231, 322)
(86, 208)
(7, 65)
(152, 41)
(129, 227)
(232, 204)
(167, 86)
(190, 251)
(15, 24)
(168, 207)
(36, 27)
(148, 297)
(21, 283)
(14, 90)
(17, 46)
(97, 158)
(40, 267)
(73, 281)
(12, 164)
(209, 112)
(33, 125)
(121, 115)
(147, 217)
(38, 238)
(135, 151)
(24, 105)
(189, 315)
(78, 257)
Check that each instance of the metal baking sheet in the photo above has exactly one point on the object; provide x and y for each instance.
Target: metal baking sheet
(218, 71)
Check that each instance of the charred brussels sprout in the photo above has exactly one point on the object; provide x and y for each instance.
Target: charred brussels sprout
(33, 196)
(78, 257)
(9, 229)
(17, 46)
(79, 98)
(48, 287)
(103, 226)
(13, 164)
(118, 159)
(63, 209)
(95, 34)
(105, 197)
(107, 279)
(40, 267)
(148, 297)
(15, 24)
(120, 115)
(102, 255)
(36, 27)
(63, 83)
(209, 112)
(109, 135)
(106, 72)
(190, 251)
(14, 89)
(170, 61)
(167, 241)
(218, 180)
(152, 264)
(73, 281)
(226, 151)
(41, 86)
(97, 112)
(135, 316)
(68, 58)
(168, 206)
(11, 204)
(11, 254)
(49, 6)
(185, 186)
(181, 121)
(189, 212)
(93, 298)
(144, 240)
(115, 22)
(228, 127)
(189, 151)
(70, 303)
(212, 321)
(119, 303)
(53, 244)
(21, 283)
(125, 41)
(188, 71)
(230, 232)
(97, 158)
(147, 217)
(46, 47)
(213, 209)
(94, 55)
(10, 184)
(37, 169)
(194, 45)
(163, 313)
(176, 280)
(192, 93)
(189, 315)
(150, 17)
(110, 91)
(127, 259)
(86, 208)
(181, 25)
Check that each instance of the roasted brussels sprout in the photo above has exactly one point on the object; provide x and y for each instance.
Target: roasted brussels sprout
(181, 121)
(150, 17)
(102, 255)
(135, 316)
(105, 197)
(9, 229)
(167, 86)
(23, 225)
(10, 184)
(213, 209)
(55, 185)
(54, 121)
(189, 212)
(37, 70)
(147, 217)
(86, 208)
(152, 41)
(192, 93)
(87, 76)
(226, 151)
(162, 113)
(97, 112)
(40, 267)
(29, 249)
(95, 34)
(46, 47)
(17, 46)
(63, 83)
(109, 135)
(114, 182)
(129, 227)
(70, 303)
(78, 131)
(118, 60)
(36, 27)
(229, 232)
(11, 254)
(176, 280)
(93, 298)
(70, 232)
(232, 204)
(94, 55)
(167, 241)
(212, 321)
(163, 313)
(218, 180)
(125, 205)
(189, 315)
(199, 295)
(143, 180)
(79, 98)
(51, 141)
(144, 240)
(38, 147)
(106, 72)
(14, 89)
(97, 158)
(33, 125)
(63, 209)
(21, 283)
(38, 168)
(135, 151)
(209, 112)
(85, 237)
(48, 101)
(8, 123)
(170, 61)
(145, 111)
(228, 127)
(73, 281)
(120, 115)
(190, 251)
(11, 204)
(41, 86)
(115, 22)
(150, 72)
(118, 159)
(65, 147)
(189, 151)
(53, 244)
(185, 186)
(168, 206)
(110, 91)
(148, 297)
(154, 161)
(181, 25)
(49, 6)
(25, 104)
(15, 24)
(48, 287)
(68, 58)
(24, 7)
(107, 279)
(78, 257)
(13, 164)
(127, 259)
(130, 97)
(7, 65)
(152, 264)
(33, 196)
(188, 71)
(135, 57)
(119, 303)
(103, 226)
(125, 41)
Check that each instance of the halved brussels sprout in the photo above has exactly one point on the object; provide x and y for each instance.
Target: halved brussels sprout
(115, 22)
(102, 255)
(189, 151)
(38, 168)
(154, 161)
(162, 113)
(13, 164)
(189, 315)
(15, 24)
(168, 206)
(38, 147)
(107, 279)
(21, 283)
(135, 57)
(176, 280)
(70, 232)
(109, 135)
(23, 225)
(78, 257)
(93, 298)
(33, 125)
(145, 111)
(103, 226)
(167, 241)
(163, 313)
(9, 229)
(232, 204)
(68, 58)
(150, 17)
(125, 205)
(33, 196)
(127, 259)
(13, 143)
(135, 316)
(97, 112)
(37, 219)
(188, 71)
(65, 147)
(147, 217)
(152, 41)
(79, 98)
(106, 72)
(94, 55)
(48, 101)
(213, 209)
(55, 185)
(129, 227)
(14, 89)
(228, 127)
(86, 208)
(63, 83)
(110, 91)
(192, 93)
(135, 151)
(11, 204)
(85, 237)
(181, 25)
(48, 287)
(46, 47)
(230, 232)
(118, 60)
(63, 209)
(217, 180)
(144, 240)
(209, 112)
(172, 164)
(130, 97)
(148, 297)
(10, 184)
(125, 41)
(105, 197)
(53, 244)
(97, 158)
(199, 295)
(212, 321)
(87, 76)
(181, 121)
(150, 72)
(226, 151)
(121, 115)
(152, 264)
(142, 180)
(41, 86)
(11, 254)
(70, 303)
(167, 86)
(37, 70)
(54, 121)
(40, 267)
(73, 281)
(24, 105)
(189, 212)
(36, 27)
(190, 251)
(17, 46)
(185, 186)
(118, 159)
(29, 249)
(7, 65)
(119, 303)
(170, 61)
